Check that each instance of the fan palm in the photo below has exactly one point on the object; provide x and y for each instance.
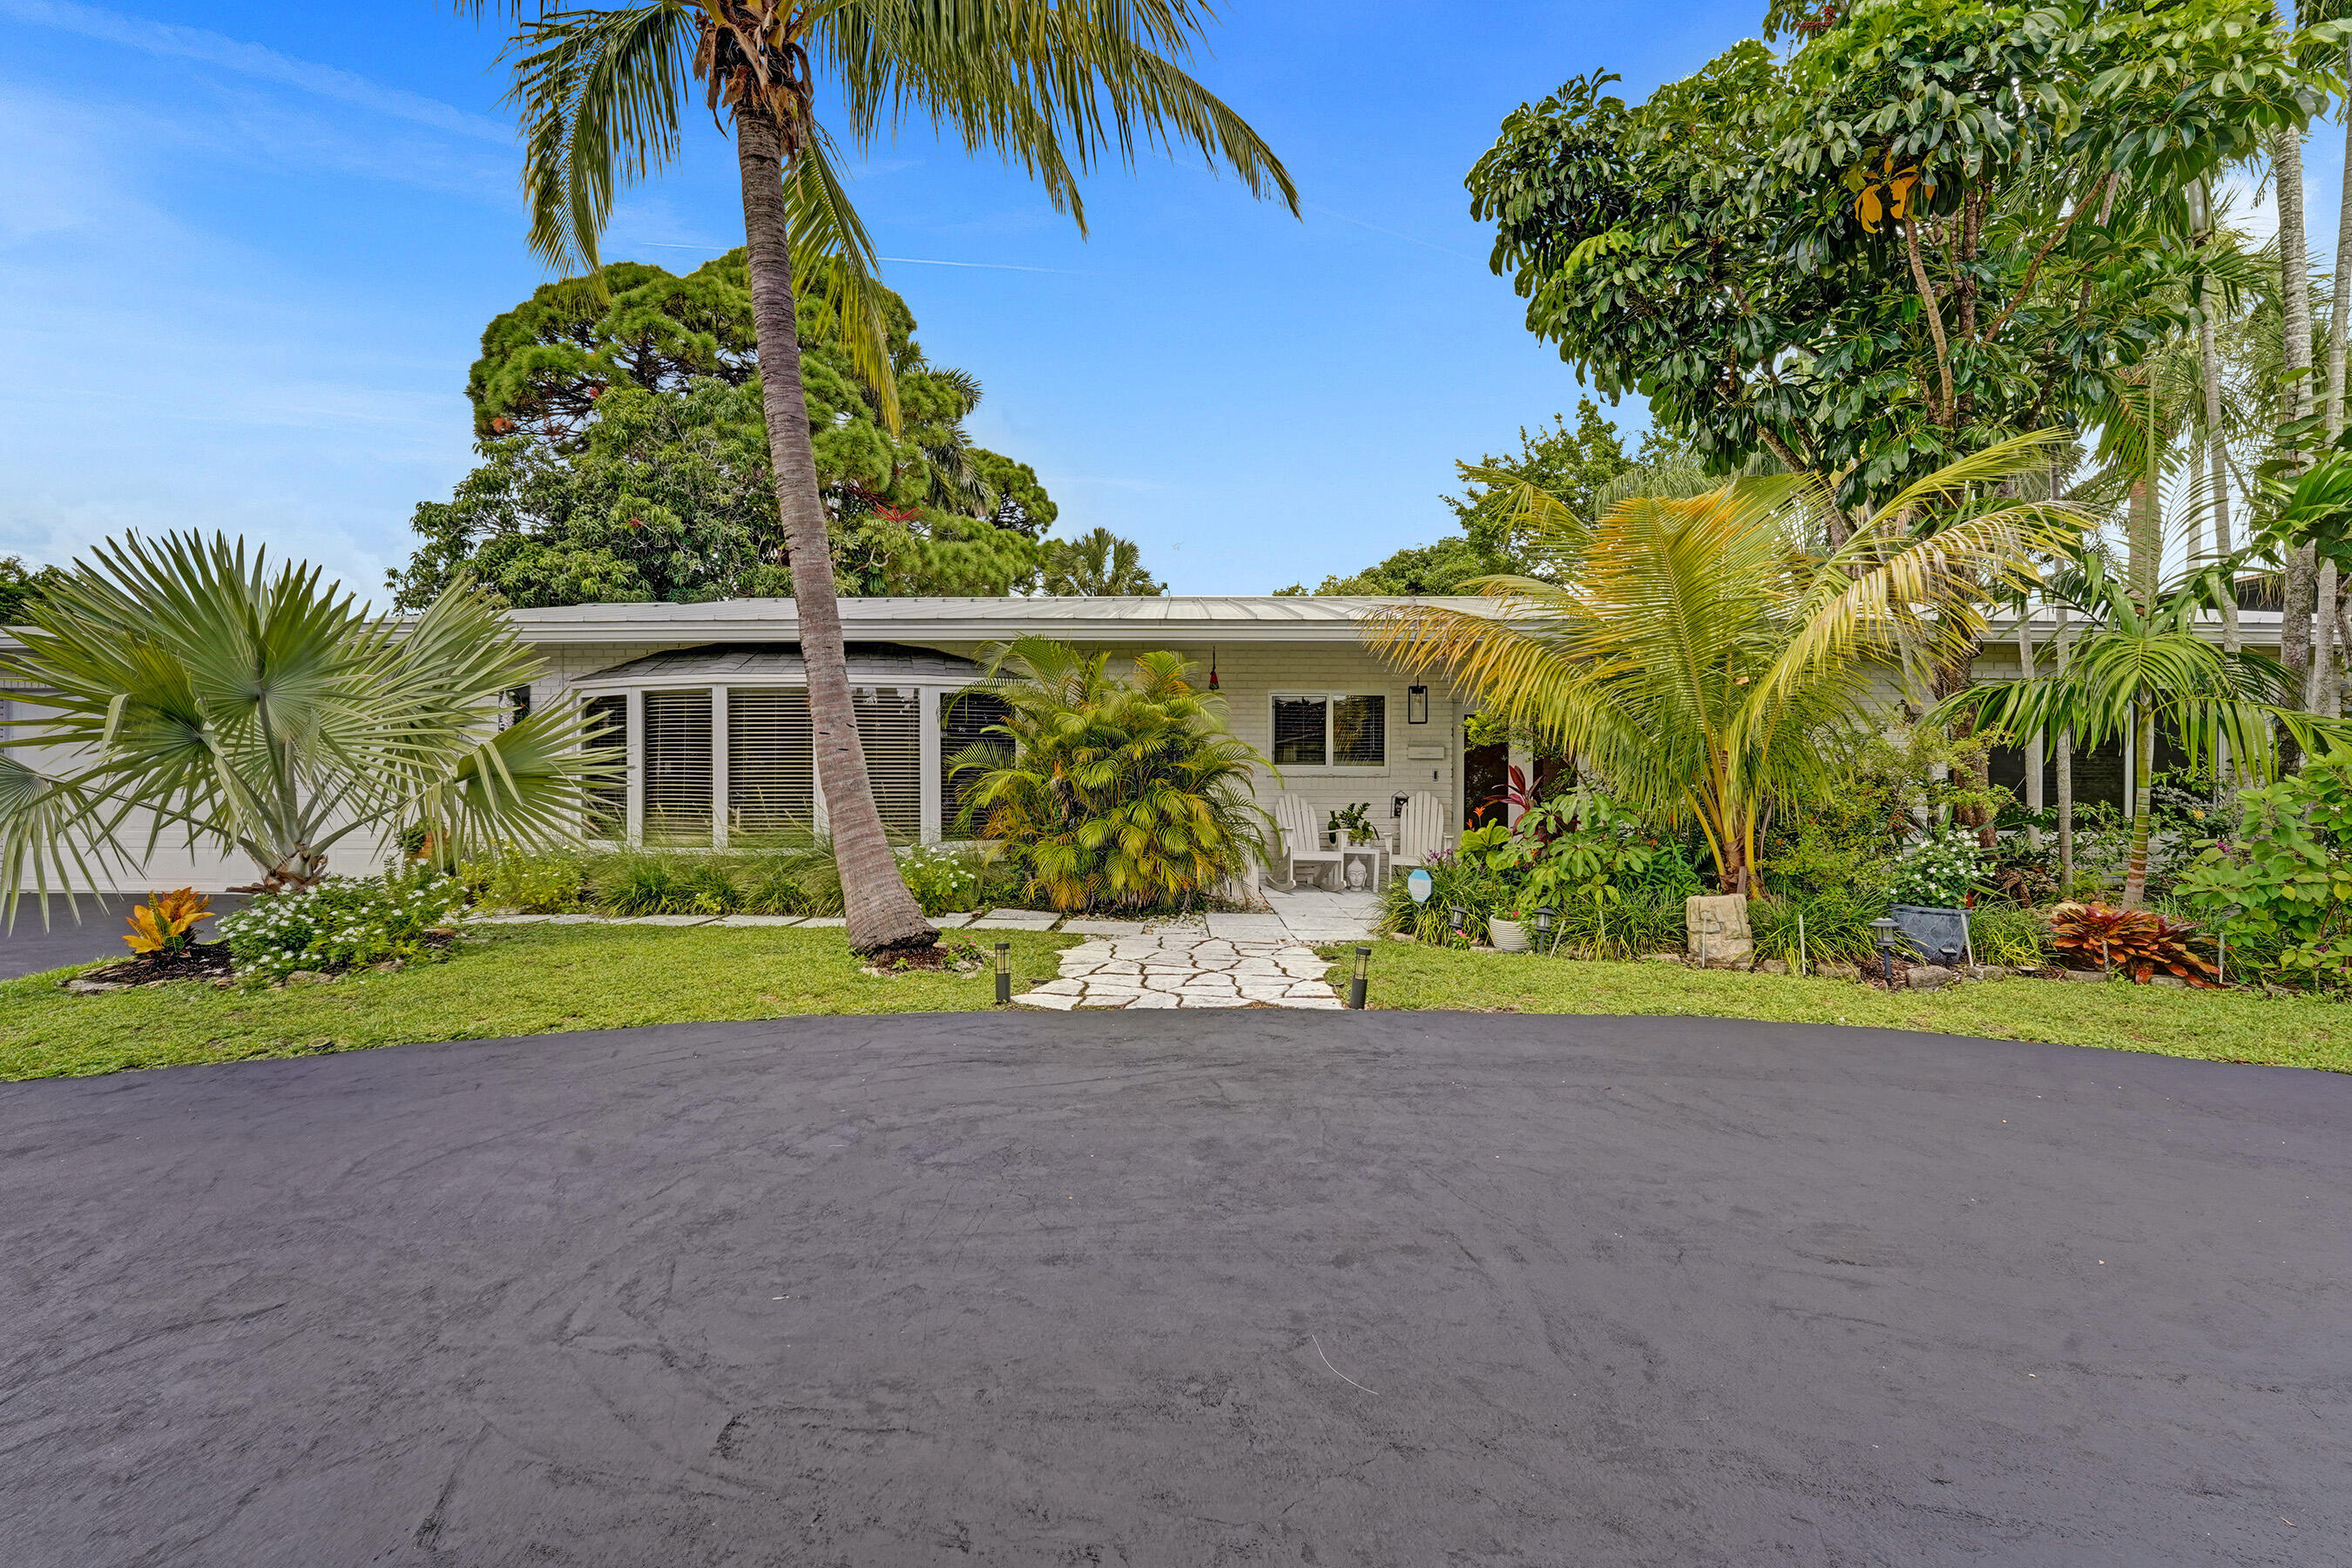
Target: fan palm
(1704, 651)
(1127, 792)
(2141, 667)
(1053, 85)
(249, 709)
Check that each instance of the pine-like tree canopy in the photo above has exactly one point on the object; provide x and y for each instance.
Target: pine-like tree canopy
(625, 458)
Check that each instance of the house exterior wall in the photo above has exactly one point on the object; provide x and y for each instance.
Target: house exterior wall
(1273, 647)
(1419, 757)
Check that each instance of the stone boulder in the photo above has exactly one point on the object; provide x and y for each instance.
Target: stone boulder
(1719, 931)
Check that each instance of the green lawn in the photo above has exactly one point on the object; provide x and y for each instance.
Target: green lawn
(513, 980)
(2220, 1026)
(527, 980)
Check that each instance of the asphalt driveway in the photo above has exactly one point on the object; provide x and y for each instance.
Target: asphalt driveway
(1239, 1287)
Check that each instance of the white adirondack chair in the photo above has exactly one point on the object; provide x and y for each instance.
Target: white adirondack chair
(1420, 829)
(1301, 841)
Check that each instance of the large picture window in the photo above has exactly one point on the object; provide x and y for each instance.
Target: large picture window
(677, 766)
(1332, 732)
(770, 765)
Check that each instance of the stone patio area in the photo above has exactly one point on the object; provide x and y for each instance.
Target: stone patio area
(1185, 966)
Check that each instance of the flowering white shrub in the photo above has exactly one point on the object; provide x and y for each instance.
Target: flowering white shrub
(341, 922)
(1939, 871)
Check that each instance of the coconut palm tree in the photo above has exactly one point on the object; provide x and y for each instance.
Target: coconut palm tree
(2140, 666)
(1706, 647)
(1053, 85)
(248, 710)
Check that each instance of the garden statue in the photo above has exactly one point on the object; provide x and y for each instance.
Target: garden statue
(1360, 875)
(1719, 931)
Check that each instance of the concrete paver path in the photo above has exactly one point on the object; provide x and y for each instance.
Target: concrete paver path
(1185, 966)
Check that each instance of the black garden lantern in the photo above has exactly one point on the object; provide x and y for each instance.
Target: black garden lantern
(1882, 931)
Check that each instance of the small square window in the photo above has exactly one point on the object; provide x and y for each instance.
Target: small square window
(1298, 737)
(1360, 732)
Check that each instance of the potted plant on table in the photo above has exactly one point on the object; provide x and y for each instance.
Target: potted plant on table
(1349, 824)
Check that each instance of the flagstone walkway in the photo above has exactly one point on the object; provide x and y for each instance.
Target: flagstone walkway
(1185, 966)
(1263, 959)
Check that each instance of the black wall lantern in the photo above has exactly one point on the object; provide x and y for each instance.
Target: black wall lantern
(1416, 704)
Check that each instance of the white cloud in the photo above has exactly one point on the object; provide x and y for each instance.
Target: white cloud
(254, 60)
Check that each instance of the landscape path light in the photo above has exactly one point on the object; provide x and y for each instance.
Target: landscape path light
(1362, 980)
(1882, 931)
(1004, 974)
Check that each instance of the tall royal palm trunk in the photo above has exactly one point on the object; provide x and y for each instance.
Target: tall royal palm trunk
(2143, 743)
(882, 915)
(2301, 587)
(2327, 636)
(2217, 456)
(2065, 771)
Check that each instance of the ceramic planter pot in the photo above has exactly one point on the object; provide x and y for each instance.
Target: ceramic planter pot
(1507, 936)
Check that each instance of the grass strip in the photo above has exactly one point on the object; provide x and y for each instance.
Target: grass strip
(2218, 1025)
(508, 979)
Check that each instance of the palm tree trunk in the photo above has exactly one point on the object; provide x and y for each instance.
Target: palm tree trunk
(2143, 786)
(882, 915)
(2065, 780)
(2301, 587)
(2033, 743)
(2326, 687)
(2144, 530)
(2218, 473)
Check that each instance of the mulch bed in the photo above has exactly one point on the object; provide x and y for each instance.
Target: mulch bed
(197, 961)
(955, 957)
(201, 961)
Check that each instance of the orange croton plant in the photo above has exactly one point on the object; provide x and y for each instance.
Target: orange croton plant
(161, 924)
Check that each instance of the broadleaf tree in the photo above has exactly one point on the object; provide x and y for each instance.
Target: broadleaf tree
(1929, 226)
(625, 456)
(1053, 86)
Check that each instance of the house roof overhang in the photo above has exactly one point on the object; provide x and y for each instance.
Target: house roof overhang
(1158, 621)
(779, 663)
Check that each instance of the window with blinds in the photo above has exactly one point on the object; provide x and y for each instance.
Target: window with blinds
(1298, 738)
(889, 727)
(770, 765)
(677, 766)
(1331, 731)
(965, 719)
(1359, 733)
(608, 742)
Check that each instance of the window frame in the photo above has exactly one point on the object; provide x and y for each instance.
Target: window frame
(1329, 701)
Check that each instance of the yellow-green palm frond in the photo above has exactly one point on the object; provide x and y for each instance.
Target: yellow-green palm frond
(832, 254)
(599, 91)
(1919, 574)
(1051, 86)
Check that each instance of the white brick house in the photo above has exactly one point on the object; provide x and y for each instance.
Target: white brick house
(709, 711)
(709, 692)
(710, 707)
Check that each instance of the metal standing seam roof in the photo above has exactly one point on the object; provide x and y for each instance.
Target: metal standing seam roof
(779, 663)
(1266, 618)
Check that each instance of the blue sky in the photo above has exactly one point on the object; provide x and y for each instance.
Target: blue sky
(247, 251)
